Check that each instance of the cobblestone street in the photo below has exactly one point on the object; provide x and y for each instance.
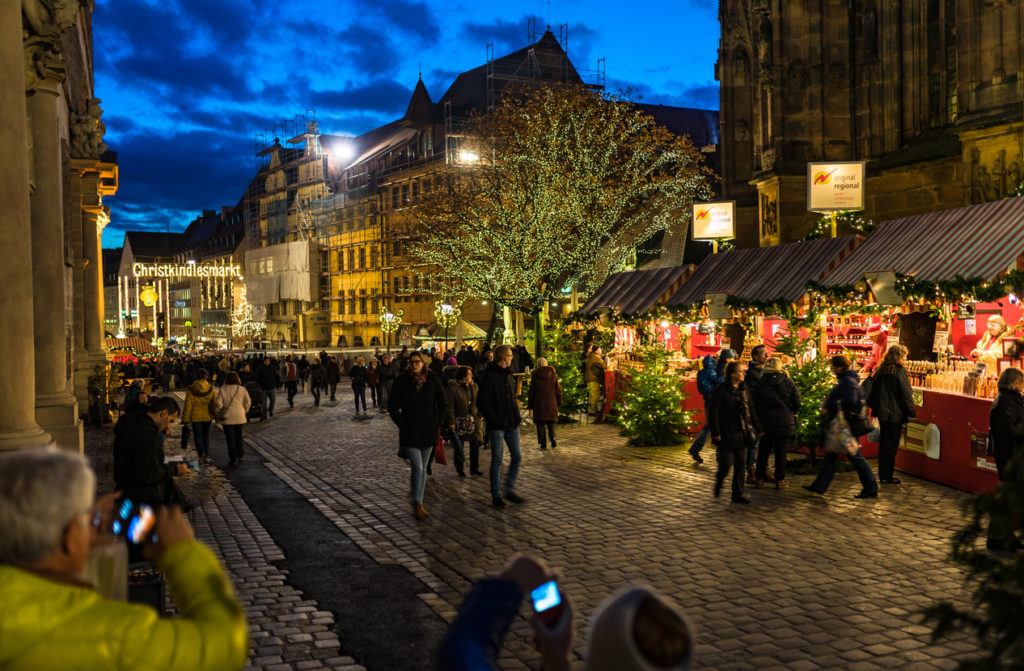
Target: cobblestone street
(792, 581)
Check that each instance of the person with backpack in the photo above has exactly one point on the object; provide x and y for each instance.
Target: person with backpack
(776, 400)
(708, 378)
(200, 409)
(846, 396)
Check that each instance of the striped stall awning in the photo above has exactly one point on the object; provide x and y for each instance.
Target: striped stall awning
(638, 290)
(140, 345)
(981, 241)
(765, 273)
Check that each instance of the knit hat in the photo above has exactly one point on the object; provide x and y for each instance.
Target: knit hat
(612, 638)
(451, 361)
(773, 365)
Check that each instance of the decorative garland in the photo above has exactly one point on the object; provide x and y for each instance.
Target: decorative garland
(849, 218)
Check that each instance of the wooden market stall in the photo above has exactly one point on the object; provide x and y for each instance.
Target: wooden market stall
(952, 274)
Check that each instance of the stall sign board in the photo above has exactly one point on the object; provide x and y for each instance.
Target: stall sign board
(940, 341)
(922, 438)
(918, 395)
(834, 186)
(717, 309)
(714, 220)
(883, 287)
(965, 310)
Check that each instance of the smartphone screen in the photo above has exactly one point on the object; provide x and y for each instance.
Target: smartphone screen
(547, 602)
(140, 525)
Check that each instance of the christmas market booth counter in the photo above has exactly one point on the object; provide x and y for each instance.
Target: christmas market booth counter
(639, 292)
(944, 285)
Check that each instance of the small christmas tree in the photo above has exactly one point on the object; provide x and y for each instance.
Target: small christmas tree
(813, 379)
(651, 410)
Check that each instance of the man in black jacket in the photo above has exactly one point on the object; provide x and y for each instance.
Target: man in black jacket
(758, 356)
(269, 380)
(139, 469)
(497, 403)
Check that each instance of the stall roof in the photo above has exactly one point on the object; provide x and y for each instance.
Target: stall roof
(765, 273)
(638, 290)
(975, 241)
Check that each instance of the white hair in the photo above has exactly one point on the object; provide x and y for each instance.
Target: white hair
(541, 362)
(41, 491)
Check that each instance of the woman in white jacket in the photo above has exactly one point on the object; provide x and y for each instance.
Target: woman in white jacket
(232, 406)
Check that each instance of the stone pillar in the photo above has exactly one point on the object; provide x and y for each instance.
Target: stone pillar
(18, 427)
(56, 408)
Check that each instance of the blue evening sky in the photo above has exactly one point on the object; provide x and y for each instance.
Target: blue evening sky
(188, 84)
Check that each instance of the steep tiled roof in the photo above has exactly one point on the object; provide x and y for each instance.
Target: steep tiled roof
(149, 245)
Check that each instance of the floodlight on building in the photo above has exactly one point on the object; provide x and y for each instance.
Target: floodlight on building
(344, 152)
(467, 156)
(192, 262)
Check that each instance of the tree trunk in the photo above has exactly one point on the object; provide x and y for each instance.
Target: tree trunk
(538, 334)
(491, 325)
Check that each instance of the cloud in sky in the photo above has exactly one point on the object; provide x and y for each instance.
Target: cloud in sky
(187, 85)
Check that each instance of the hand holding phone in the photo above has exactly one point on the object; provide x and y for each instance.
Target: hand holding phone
(133, 522)
(547, 603)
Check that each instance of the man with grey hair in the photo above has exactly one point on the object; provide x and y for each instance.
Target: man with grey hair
(497, 403)
(53, 619)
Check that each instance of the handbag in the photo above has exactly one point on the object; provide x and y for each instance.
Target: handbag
(861, 424)
(439, 451)
(222, 414)
(465, 426)
(840, 439)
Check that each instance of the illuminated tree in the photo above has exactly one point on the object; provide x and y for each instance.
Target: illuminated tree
(552, 188)
(242, 323)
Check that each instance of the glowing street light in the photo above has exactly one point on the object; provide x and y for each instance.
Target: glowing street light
(447, 315)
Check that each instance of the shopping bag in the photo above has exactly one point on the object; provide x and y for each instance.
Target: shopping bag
(840, 439)
(439, 451)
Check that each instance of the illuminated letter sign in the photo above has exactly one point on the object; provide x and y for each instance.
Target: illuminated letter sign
(714, 220)
(835, 186)
(180, 270)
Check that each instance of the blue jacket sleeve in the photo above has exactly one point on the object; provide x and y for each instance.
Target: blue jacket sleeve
(474, 638)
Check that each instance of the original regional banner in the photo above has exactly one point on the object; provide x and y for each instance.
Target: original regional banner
(835, 186)
(714, 220)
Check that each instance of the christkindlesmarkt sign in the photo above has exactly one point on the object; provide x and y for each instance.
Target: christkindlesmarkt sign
(186, 270)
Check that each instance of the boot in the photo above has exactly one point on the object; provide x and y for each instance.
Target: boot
(751, 479)
(418, 511)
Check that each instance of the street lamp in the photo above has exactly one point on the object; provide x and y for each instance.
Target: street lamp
(389, 323)
(447, 315)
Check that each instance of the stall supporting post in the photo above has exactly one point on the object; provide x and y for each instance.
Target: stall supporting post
(833, 220)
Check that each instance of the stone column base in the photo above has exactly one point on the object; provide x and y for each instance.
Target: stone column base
(58, 414)
(19, 440)
(85, 363)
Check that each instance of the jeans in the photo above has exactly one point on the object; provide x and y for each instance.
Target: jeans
(734, 459)
(233, 437)
(768, 445)
(888, 445)
(333, 388)
(418, 457)
(359, 393)
(550, 428)
(752, 452)
(201, 433)
(698, 442)
(373, 394)
(383, 391)
(460, 456)
(316, 394)
(828, 471)
(500, 438)
(269, 396)
(292, 387)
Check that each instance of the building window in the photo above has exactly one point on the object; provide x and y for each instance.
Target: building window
(415, 190)
(405, 194)
(352, 305)
(362, 257)
(341, 306)
(351, 259)
(426, 185)
(373, 257)
(394, 198)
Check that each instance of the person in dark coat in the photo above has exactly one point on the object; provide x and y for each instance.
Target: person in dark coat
(448, 372)
(776, 399)
(139, 469)
(436, 363)
(464, 422)
(758, 355)
(481, 366)
(543, 398)
(1006, 430)
(497, 403)
(418, 406)
(734, 427)
(357, 373)
(892, 403)
(388, 373)
(846, 396)
(333, 371)
(270, 381)
(317, 380)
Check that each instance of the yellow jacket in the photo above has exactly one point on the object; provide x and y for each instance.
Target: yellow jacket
(52, 626)
(197, 402)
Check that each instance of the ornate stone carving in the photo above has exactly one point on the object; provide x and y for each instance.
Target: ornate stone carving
(87, 132)
(742, 132)
(769, 217)
(43, 23)
(995, 178)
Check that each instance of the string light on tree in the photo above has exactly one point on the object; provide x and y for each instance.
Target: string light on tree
(389, 323)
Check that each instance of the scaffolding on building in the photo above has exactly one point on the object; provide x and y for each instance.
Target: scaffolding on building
(536, 66)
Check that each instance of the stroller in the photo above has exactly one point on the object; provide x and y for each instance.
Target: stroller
(255, 400)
